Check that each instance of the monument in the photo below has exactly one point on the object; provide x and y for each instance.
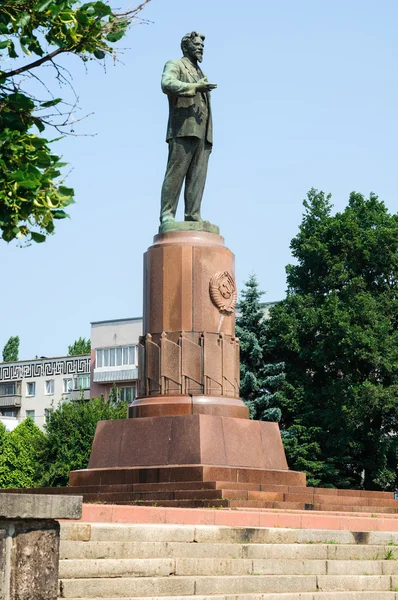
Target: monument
(189, 131)
(188, 425)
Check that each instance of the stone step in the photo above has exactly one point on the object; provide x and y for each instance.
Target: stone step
(209, 534)
(126, 498)
(164, 567)
(289, 596)
(231, 500)
(309, 498)
(209, 585)
(121, 550)
(307, 494)
(187, 494)
(335, 508)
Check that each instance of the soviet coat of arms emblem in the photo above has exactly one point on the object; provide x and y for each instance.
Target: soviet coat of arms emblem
(223, 292)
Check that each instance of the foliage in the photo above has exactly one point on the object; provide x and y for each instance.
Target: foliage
(70, 432)
(80, 346)
(19, 461)
(337, 333)
(11, 349)
(261, 381)
(3, 441)
(32, 191)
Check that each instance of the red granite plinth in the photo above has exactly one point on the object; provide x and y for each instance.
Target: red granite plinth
(178, 475)
(190, 448)
(188, 440)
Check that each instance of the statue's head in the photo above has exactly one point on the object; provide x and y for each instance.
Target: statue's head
(192, 45)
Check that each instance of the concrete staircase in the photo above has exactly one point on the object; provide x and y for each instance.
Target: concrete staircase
(115, 561)
(229, 494)
(225, 494)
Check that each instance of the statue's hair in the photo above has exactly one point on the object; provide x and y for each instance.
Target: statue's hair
(188, 38)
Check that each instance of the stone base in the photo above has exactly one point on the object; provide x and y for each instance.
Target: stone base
(200, 457)
(180, 477)
(188, 440)
(180, 405)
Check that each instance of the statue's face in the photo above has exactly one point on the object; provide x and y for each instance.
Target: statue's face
(195, 49)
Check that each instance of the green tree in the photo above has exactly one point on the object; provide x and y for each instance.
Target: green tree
(70, 432)
(32, 191)
(261, 381)
(11, 349)
(337, 333)
(19, 464)
(80, 346)
(3, 441)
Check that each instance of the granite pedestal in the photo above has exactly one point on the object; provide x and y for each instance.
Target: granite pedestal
(189, 424)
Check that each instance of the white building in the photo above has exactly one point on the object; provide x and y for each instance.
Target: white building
(31, 388)
(114, 357)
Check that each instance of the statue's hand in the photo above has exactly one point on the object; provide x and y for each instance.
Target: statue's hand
(204, 85)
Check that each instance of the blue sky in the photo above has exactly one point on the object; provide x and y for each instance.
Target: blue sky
(307, 97)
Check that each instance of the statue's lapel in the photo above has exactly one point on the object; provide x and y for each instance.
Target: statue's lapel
(193, 73)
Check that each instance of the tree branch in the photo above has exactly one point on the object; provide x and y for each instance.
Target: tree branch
(36, 63)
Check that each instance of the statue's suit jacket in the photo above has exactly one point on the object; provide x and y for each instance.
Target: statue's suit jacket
(187, 116)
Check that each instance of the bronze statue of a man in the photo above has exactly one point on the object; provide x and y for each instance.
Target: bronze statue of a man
(189, 130)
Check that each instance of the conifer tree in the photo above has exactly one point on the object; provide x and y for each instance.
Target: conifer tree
(261, 380)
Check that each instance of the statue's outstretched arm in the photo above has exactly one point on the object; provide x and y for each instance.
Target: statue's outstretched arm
(171, 84)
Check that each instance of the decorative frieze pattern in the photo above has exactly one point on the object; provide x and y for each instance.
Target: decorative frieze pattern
(188, 363)
(45, 368)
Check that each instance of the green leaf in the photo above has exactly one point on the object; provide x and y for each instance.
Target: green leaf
(38, 237)
(24, 49)
(23, 20)
(60, 214)
(68, 202)
(11, 50)
(66, 191)
(115, 37)
(101, 9)
(29, 184)
(40, 126)
(41, 6)
(51, 102)
(4, 44)
(99, 54)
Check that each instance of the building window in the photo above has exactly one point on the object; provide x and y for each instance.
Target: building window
(127, 394)
(47, 413)
(132, 352)
(31, 388)
(82, 382)
(7, 389)
(9, 413)
(112, 357)
(30, 414)
(49, 387)
(119, 356)
(68, 386)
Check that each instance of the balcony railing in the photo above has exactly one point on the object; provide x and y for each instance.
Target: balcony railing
(114, 374)
(76, 395)
(10, 401)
